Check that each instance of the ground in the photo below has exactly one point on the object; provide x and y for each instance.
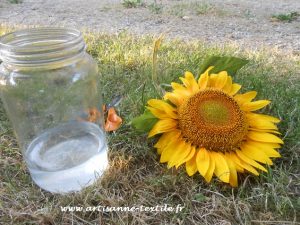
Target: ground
(246, 22)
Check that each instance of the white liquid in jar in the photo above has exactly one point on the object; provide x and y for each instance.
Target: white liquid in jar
(68, 157)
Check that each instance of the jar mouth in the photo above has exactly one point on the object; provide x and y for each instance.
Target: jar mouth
(40, 46)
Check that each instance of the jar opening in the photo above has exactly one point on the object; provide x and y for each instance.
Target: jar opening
(41, 46)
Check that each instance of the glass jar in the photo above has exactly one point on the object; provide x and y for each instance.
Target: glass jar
(50, 90)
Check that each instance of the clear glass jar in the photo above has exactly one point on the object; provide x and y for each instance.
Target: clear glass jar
(50, 89)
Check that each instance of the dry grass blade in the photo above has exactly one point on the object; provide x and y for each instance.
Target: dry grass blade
(157, 44)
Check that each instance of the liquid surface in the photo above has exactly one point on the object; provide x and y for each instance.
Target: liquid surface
(67, 158)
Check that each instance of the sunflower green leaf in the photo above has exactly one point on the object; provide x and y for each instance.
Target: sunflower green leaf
(144, 122)
(223, 63)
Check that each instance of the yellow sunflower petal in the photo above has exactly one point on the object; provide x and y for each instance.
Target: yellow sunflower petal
(184, 94)
(210, 170)
(221, 166)
(246, 97)
(162, 114)
(221, 80)
(267, 148)
(191, 166)
(162, 126)
(263, 117)
(162, 109)
(260, 123)
(264, 130)
(189, 156)
(234, 89)
(203, 80)
(180, 90)
(159, 150)
(237, 166)
(233, 178)
(175, 98)
(243, 164)
(265, 144)
(179, 155)
(264, 137)
(190, 82)
(165, 138)
(250, 161)
(228, 85)
(169, 150)
(253, 106)
(254, 153)
(212, 79)
(177, 86)
(202, 160)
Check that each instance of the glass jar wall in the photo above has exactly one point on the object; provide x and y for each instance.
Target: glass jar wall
(50, 89)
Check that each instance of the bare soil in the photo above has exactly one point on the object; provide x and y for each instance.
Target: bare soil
(248, 23)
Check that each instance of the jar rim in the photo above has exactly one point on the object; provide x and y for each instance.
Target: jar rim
(40, 46)
(5, 39)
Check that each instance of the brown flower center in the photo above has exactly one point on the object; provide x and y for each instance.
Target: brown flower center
(212, 119)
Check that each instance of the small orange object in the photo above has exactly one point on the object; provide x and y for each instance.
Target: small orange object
(113, 121)
(94, 115)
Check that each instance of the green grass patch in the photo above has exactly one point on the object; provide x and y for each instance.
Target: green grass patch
(195, 8)
(155, 7)
(135, 176)
(132, 3)
(288, 17)
(204, 8)
(15, 1)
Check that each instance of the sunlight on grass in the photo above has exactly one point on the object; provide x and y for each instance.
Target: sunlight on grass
(135, 176)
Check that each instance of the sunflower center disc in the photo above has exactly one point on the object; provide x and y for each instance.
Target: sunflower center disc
(212, 119)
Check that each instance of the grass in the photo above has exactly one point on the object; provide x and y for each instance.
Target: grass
(155, 7)
(15, 1)
(132, 3)
(204, 8)
(135, 175)
(288, 17)
(195, 8)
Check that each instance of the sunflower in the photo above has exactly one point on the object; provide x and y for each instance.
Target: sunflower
(212, 129)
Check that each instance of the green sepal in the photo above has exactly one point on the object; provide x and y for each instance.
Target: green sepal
(223, 63)
(144, 122)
